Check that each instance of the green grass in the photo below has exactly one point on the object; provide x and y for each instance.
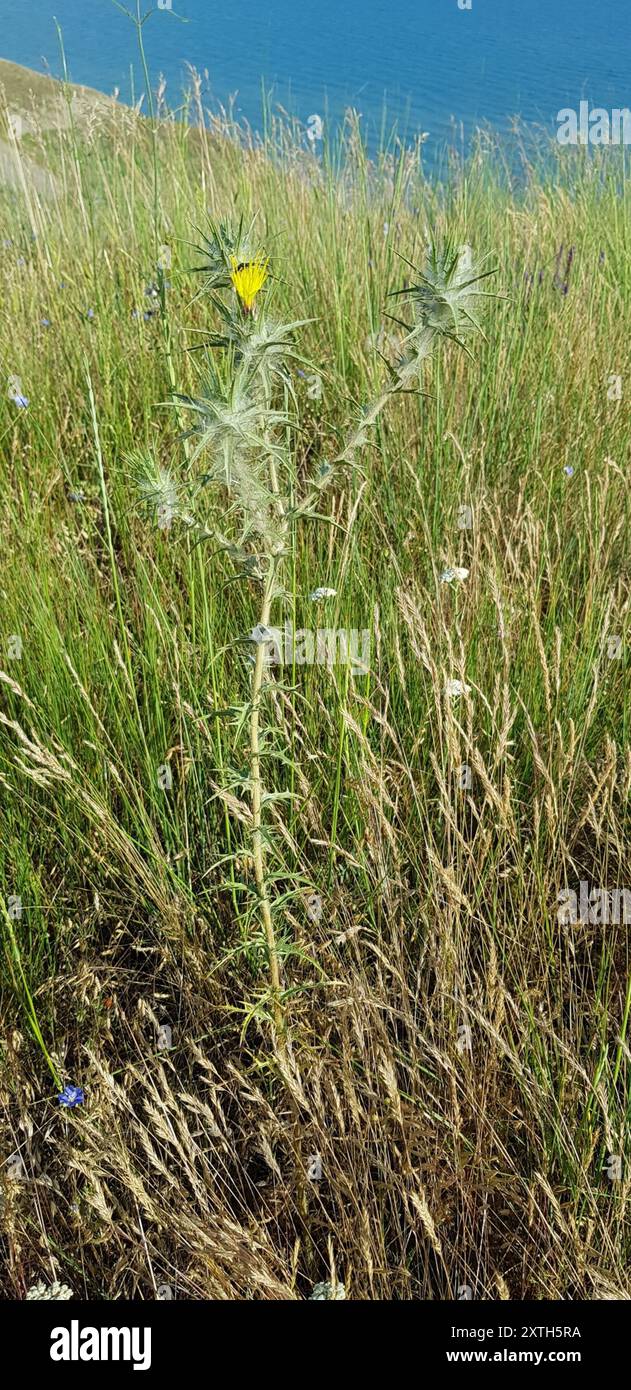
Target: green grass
(443, 1165)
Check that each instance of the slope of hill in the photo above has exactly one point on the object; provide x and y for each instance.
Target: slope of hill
(43, 102)
(31, 106)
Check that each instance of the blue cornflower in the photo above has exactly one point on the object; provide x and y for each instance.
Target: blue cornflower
(90, 313)
(20, 400)
(45, 323)
(569, 470)
(71, 1096)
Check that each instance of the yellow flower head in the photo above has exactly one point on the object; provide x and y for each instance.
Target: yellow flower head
(248, 278)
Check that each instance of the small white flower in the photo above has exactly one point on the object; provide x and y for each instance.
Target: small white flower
(327, 1291)
(55, 1291)
(314, 907)
(453, 573)
(322, 593)
(455, 688)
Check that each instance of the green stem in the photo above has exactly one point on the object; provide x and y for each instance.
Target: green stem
(139, 22)
(30, 1006)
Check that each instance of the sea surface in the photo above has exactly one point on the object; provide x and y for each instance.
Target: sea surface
(431, 65)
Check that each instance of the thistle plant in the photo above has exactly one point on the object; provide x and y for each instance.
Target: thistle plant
(239, 441)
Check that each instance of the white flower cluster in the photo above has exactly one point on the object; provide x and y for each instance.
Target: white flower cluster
(327, 1291)
(55, 1291)
(450, 574)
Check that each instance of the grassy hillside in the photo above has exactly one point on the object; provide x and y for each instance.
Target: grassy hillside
(434, 1091)
(41, 99)
(32, 107)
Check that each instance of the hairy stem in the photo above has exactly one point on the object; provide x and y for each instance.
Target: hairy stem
(257, 796)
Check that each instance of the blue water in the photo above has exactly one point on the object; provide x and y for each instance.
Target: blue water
(431, 62)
